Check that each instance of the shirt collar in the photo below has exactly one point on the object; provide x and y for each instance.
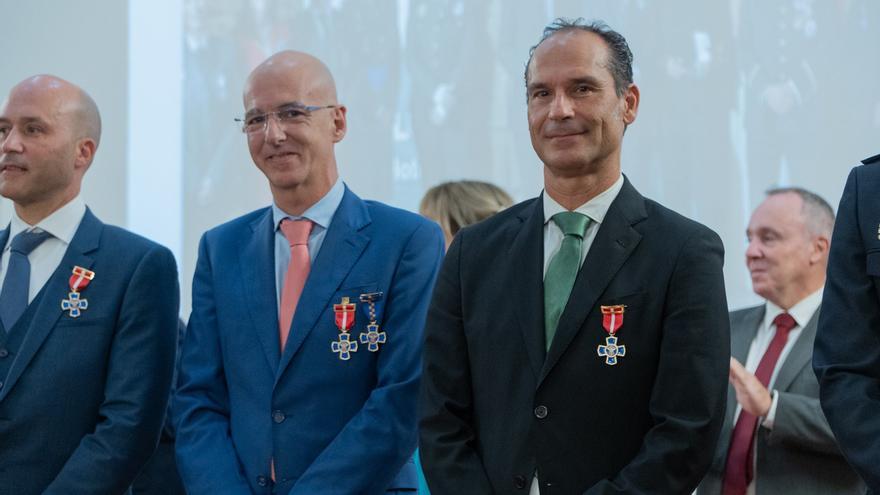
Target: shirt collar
(319, 213)
(801, 312)
(595, 208)
(62, 223)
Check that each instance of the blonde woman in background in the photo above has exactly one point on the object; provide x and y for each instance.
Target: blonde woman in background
(458, 204)
(455, 205)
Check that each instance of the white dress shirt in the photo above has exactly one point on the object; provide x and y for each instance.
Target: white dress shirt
(595, 209)
(44, 260)
(801, 312)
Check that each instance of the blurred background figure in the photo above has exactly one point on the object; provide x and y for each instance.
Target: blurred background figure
(454, 205)
(458, 204)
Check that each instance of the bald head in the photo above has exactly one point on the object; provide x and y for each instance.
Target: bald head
(69, 103)
(310, 76)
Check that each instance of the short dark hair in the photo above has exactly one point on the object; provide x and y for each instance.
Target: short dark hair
(818, 214)
(620, 57)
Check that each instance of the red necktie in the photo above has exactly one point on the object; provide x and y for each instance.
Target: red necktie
(297, 234)
(739, 470)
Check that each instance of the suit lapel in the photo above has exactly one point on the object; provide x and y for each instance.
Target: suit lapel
(257, 269)
(800, 354)
(613, 244)
(742, 334)
(86, 240)
(527, 286)
(339, 252)
(4, 236)
(746, 329)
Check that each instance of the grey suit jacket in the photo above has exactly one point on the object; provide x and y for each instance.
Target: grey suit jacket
(800, 454)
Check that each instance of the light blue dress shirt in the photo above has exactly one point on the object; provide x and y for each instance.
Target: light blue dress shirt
(321, 214)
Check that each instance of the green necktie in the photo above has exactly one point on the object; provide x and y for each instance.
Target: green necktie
(563, 269)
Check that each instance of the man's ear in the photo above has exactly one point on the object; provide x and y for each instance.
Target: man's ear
(631, 104)
(85, 153)
(340, 126)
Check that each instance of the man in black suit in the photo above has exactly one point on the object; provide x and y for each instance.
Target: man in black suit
(775, 435)
(847, 354)
(577, 342)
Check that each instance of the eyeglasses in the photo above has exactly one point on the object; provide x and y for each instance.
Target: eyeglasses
(291, 114)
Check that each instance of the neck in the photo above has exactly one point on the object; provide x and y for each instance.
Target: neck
(572, 192)
(34, 213)
(788, 301)
(296, 200)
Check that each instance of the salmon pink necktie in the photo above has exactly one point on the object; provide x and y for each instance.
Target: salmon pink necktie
(297, 234)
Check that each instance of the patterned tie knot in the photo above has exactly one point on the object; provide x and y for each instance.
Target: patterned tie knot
(27, 241)
(571, 223)
(784, 322)
(296, 231)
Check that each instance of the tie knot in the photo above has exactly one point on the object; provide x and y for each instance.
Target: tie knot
(571, 223)
(27, 241)
(784, 322)
(296, 231)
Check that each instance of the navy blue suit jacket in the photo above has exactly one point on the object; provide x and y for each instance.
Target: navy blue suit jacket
(846, 358)
(84, 398)
(330, 426)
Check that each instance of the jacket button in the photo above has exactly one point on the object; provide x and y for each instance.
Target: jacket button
(541, 412)
(519, 481)
(3, 353)
(278, 416)
(261, 480)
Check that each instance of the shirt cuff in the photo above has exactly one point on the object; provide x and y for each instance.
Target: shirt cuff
(771, 414)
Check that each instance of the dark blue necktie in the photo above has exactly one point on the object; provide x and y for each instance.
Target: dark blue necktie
(14, 295)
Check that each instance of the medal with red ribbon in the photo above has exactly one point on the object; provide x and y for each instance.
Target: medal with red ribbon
(79, 280)
(612, 320)
(344, 318)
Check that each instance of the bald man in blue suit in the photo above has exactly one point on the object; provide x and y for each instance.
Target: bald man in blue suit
(327, 403)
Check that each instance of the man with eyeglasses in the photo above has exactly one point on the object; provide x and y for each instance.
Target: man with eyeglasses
(301, 363)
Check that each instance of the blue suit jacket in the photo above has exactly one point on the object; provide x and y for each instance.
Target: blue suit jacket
(846, 358)
(84, 398)
(331, 426)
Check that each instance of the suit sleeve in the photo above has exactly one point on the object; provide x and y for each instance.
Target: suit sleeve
(139, 370)
(690, 389)
(374, 445)
(447, 435)
(846, 357)
(205, 456)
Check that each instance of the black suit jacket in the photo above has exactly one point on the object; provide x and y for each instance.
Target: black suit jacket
(495, 409)
(846, 358)
(84, 398)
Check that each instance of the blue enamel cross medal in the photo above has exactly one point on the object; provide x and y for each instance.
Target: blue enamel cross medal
(344, 319)
(373, 336)
(612, 320)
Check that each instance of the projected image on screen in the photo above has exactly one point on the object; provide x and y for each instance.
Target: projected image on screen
(737, 97)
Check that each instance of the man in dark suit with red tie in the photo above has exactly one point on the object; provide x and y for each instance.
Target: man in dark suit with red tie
(775, 436)
(577, 342)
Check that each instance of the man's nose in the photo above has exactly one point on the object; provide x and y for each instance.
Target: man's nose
(11, 142)
(274, 130)
(561, 107)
